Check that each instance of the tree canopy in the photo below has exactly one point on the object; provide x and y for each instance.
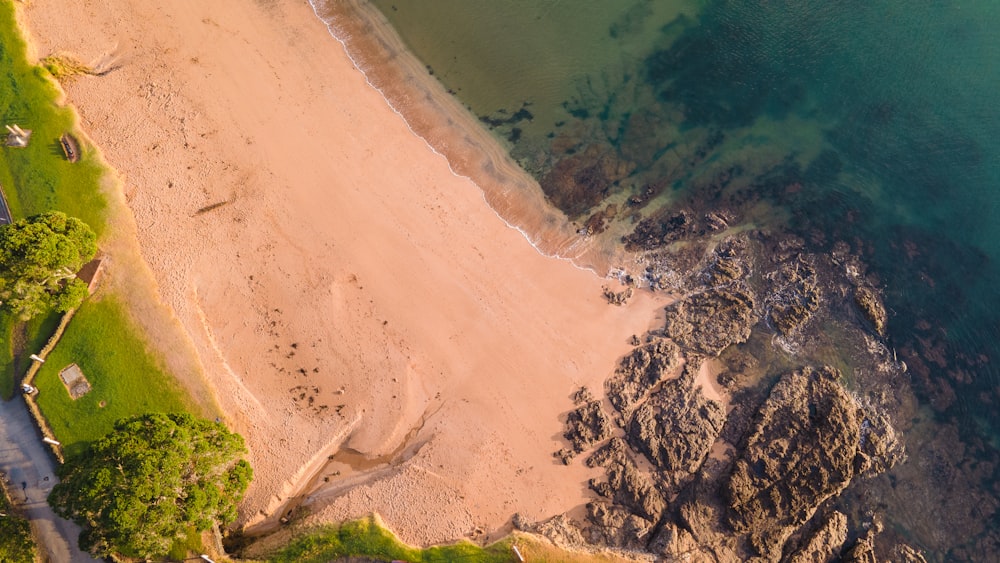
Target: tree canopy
(140, 487)
(16, 544)
(39, 258)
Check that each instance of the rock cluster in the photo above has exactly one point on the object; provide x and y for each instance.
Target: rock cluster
(676, 427)
(804, 443)
(586, 426)
(640, 371)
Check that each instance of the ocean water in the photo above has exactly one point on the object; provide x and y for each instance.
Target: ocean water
(876, 123)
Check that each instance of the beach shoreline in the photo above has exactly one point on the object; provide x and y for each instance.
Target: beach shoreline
(341, 284)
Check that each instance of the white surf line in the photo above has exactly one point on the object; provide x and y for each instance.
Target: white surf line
(482, 192)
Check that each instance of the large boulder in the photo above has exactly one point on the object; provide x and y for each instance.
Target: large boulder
(709, 321)
(800, 451)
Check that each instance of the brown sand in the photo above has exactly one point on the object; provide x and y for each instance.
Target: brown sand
(349, 290)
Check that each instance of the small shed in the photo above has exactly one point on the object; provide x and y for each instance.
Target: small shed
(90, 273)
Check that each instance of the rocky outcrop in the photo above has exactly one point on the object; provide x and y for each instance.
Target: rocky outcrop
(801, 450)
(676, 427)
(825, 544)
(639, 372)
(863, 551)
(710, 321)
(615, 526)
(626, 485)
(871, 306)
(793, 294)
(586, 426)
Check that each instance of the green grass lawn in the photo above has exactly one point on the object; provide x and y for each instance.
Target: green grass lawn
(367, 538)
(37, 178)
(125, 378)
(21, 339)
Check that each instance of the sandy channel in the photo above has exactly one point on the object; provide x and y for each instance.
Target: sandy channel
(346, 293)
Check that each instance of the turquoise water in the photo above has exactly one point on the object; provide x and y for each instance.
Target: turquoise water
(871, 122)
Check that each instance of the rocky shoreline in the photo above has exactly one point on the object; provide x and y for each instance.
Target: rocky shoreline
(776, 475)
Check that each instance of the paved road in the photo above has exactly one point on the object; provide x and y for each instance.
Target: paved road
(31, 475)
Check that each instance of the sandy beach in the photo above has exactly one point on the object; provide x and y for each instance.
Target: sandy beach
(383, 340)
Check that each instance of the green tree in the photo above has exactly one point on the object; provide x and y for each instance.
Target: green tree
(39, 258)
(16, 544)
(140, 487)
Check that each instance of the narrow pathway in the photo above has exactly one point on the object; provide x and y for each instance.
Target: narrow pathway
(5, 218)
(30, 472)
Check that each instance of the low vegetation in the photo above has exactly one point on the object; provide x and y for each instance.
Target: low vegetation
(64, 66)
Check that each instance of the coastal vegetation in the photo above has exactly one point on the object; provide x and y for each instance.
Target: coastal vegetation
(369, 539)
(39, 258)
(68, 217)
(64, 66)
(138, 489)
(15, 533)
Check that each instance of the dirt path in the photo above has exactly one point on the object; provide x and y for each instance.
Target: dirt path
(30, 473)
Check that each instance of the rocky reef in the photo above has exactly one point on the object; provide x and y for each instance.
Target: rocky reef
(663, 493)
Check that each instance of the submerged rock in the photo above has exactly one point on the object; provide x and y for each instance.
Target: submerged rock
(800, 452)
(580, 181)
(868, 300)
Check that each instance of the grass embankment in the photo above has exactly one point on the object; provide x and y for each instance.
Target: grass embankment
(37, 178)
(368, 538)
(125, 377)
(20, 340)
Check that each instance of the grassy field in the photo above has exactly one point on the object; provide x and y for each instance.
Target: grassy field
(125, 378)
(22, 340)
(367, 538)
(37, 178)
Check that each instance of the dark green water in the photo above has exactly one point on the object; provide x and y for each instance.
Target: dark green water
(871, 122)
